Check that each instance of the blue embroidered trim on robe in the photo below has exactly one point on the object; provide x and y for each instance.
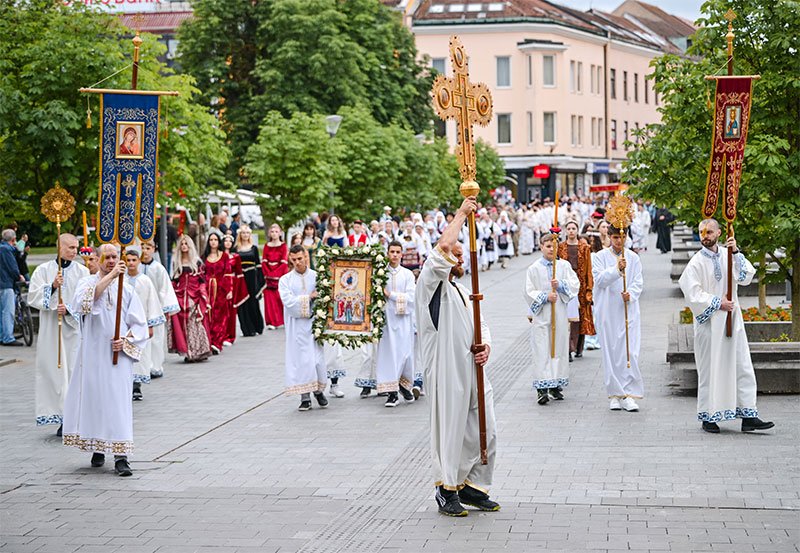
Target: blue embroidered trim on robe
(537, 304)
(338, 373)
(160, 320)
(47, 292)
(714, 257)
(746, 412)
(142, 378)
(366, 383)
(727, 414)
(563, 288)
(170, 309)
(550, 383)
(49, 419)
(705, 315)
(739, 256)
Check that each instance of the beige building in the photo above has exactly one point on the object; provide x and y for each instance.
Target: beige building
(569, 87)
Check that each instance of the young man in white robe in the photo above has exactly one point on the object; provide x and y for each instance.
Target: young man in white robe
(395, 368)
(152, 309)
(52, 381)
(446, 330)
(305, 363)
(726, 381)
(98, 412)
(624, 385)
(543, 295)
(169, 306)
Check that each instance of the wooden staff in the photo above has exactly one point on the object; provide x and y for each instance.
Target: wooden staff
(729, 227)
(553, 305)
(58, 254)
(625, 303)
(85, 232)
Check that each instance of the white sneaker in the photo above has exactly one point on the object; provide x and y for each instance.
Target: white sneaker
(226, 343)
(335, 391)
(270, 327)
(629, 405)
(614, 405)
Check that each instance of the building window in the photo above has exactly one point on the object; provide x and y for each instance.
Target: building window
(438, 65)
(599, 79)
(579, 79)
(635, 87)
(646, 91)
(613, 83)
(580, 131)
(625, 86)
(636, 137)
(572, 76)
(591, 79)
(613, 134)
(504, 128)
(655, 95)
(503, 72)
(593, 139)
(573, 130)
(529, 116)
(530, 70)
(625, 144)
(549, 127)
(548, 71)
(601, 133)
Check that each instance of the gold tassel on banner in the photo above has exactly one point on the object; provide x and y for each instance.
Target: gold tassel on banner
(708, 98)
(88, 114)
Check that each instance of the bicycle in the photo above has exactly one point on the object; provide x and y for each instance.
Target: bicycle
(23, 319)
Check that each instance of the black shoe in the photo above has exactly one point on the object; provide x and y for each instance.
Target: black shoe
(476, 498)
(321, 399)
(711, 427)
(579, 355)
(122, 467)
(407, 395)
(449, 504)
(15, 343)
(570, 357)
(543, 399)
(754, 423)
(383, 394)
(60, 431)
(365, 392)
(137, 391)
(156, 375)
(305, 405)
(392, 400)
(555, 393)
(98, 459)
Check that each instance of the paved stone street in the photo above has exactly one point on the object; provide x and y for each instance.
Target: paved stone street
(224, 463)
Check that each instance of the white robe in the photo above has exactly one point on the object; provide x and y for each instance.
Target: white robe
(726, 381)
(640, 229)
(526, 238)
(155, 317)
(367, 376)
(305, 366)
(450, 378)
(169, 305)
(52, 382)
(396, 347)
(609, 320)
(549, 372)
(98, 412)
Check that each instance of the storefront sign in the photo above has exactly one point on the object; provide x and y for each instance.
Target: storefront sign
(597, 168)
(541, 171)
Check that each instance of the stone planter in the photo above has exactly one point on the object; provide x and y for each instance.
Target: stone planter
(766, 331)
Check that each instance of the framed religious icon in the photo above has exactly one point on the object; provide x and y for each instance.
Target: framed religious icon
(733, 122)
(349, 309)
(130, 140)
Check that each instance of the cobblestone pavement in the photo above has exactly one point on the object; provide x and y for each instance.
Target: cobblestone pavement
(224, 463)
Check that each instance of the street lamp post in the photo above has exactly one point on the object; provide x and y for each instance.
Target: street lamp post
(332, 123)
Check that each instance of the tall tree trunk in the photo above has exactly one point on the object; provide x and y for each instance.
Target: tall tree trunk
(762, 285)
(796, 291)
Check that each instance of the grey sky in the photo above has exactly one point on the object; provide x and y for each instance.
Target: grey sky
(690, 9)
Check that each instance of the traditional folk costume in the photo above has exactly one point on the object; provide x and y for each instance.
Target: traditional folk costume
(250, 319)
(549, 373)
(154, 317)
(445, 330)
(98, 413)
(159, 276)
(189, 335)
(218, 284)
(579, 257)
(52, 382)
(726, 382)
(621, 382)
(395, 369)
(236, 277)
(274, 265)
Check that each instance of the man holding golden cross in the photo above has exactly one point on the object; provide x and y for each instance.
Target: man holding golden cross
(455, 341)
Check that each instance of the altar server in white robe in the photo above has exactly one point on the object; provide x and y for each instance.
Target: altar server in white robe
(445, 330)
(98, 413)
(395, 368)
(169, 306)
(152, 309)
(624, 385)
(51, 381)
(726, 381)
(542, 291)
(305, 363)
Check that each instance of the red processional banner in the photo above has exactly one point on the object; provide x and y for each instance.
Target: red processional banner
(731, 118)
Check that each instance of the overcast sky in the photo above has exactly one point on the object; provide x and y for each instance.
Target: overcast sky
(690, 9)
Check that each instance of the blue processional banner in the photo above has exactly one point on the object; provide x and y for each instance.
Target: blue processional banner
(128, 167)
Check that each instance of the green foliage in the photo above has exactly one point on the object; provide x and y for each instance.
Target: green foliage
(47, 53)
(491, 171)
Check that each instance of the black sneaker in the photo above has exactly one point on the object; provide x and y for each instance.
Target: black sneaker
(449, 504)
(407, 395)
(321, 399)
(122, 467)
(754, 423)
(556, 394)
(98, 459)
(570, 357)
(543, 399)
(712, 427)
(365, 392)
(476, 498)
(137, 391)
(392, 400)
(60, 431)
(383, 394)
(578, 355)
(305, 405)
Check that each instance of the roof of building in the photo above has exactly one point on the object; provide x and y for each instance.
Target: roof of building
(155, 22)
(655, 18)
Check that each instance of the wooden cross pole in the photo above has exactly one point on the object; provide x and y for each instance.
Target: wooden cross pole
(467, 103)
(730, 16)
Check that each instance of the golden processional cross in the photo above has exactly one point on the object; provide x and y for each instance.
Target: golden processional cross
(468, 103)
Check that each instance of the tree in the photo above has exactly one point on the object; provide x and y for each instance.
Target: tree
(490, 169)
(670, 165)
(50, 50)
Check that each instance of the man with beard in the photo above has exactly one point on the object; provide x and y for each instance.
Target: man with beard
(445, 329)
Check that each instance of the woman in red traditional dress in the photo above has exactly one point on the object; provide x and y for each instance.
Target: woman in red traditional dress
(237, 284)
(220, 290)
(189, 327)
(274, 265)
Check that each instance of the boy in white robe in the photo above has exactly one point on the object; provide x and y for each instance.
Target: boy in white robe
(169, 306)
(395, 368)
(726, 381)
(305, 364)
(542, 292)
(98, 413)
(623, 384)
(446, 330)
(51, 381)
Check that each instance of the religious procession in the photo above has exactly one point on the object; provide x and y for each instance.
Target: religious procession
(408, 310)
